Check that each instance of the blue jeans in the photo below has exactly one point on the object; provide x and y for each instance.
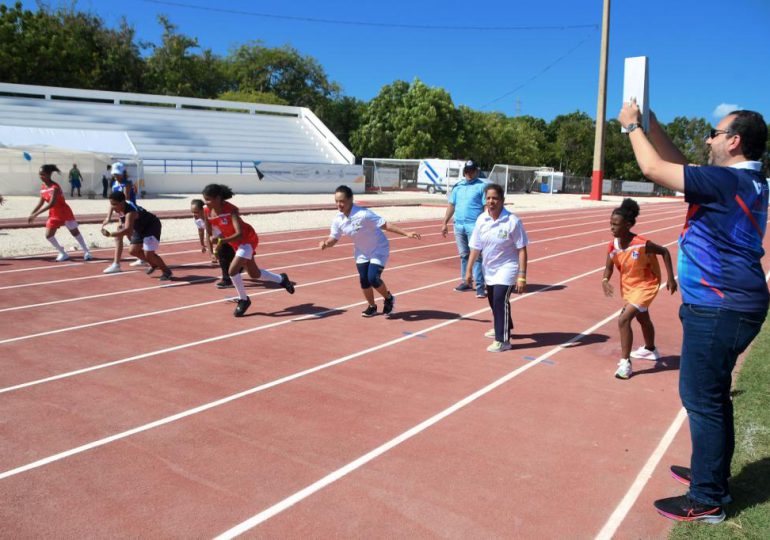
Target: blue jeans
(713, 339)
(462, 236)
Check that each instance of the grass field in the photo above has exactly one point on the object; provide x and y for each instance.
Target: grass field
(749, 515)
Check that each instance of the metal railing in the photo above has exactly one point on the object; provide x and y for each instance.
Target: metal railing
(198, 166)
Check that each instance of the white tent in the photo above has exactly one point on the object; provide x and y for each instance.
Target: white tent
(24, 149)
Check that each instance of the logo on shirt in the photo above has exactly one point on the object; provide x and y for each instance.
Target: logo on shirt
(223, 220)
(634, 254)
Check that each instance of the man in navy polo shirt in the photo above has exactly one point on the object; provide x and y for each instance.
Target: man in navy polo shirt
(466, 202)
(724, 291)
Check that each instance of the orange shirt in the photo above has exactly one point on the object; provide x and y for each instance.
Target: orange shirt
(639, 271)
(224, 222)
(60, 210)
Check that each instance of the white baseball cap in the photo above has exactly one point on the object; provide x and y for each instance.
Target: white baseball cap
(118, 168)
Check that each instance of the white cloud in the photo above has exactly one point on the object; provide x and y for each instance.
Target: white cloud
(724, 108)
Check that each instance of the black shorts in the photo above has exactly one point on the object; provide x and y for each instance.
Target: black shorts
(153, 229)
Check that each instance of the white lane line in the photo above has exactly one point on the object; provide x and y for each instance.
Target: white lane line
(283, 380)
(571, 218)
(211, 302)
(617, 517)
(201, 304)
(405, 436)
(419, 428)
(621, 511)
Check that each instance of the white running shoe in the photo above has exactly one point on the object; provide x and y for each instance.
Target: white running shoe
(62, 256)
(138, 262)
(490, 333)
(624, 369)
(646, 354)
(114, 268)
(87, 256)
(500, 346)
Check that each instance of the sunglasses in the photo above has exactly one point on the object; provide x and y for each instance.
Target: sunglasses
(714, 132)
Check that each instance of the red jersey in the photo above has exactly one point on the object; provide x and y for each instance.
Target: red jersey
(60, 210)
(224, 222)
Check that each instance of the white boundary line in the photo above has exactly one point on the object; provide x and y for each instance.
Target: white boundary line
(405, 436)
(101, 442)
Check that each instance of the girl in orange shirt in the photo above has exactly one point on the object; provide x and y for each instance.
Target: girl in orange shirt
(635, 257)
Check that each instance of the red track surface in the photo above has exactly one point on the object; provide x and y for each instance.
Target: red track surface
(133, 409)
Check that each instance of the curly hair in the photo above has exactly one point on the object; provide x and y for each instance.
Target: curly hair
(628, 210)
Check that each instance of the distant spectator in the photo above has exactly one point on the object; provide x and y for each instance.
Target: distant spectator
(106, 181)
(76, 180)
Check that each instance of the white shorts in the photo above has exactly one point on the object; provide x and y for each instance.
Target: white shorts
(150, 243)
(244, 251)
(640, 309)
(71, 224)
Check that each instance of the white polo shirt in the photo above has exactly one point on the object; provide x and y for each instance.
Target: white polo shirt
(364, 227)
(499, 242)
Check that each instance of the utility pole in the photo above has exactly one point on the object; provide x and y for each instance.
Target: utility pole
(597, 177)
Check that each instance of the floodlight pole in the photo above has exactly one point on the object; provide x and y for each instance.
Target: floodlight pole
(597, 177)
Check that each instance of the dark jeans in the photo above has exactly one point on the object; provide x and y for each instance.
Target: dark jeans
(499, 298)
(713, 339)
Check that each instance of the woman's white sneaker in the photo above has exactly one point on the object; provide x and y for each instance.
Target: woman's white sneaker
(624, 369)
(114, 268)
(646, 354)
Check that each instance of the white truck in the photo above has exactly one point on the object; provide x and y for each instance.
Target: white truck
(439, 175)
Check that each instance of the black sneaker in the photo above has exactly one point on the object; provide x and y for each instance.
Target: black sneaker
(166, 276)
(387, 306)
(150, 270)
(370, 311)
(224, 284)
(287, 284)
(681, 474)
(462, 287)
(242, 306)
(683, 508)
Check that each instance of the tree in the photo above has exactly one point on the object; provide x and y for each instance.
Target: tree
(689, 136)
(173, 70)
(572, 137)
(426, 124)
(252, 96)
(342, 116)
(376, 136)
(67, 48)
(619, 160)
(299, 80)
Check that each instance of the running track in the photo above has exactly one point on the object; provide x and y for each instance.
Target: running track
(130, 408)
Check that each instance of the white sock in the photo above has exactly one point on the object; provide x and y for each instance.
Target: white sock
(55, 243)
(82, 242)
(267, 275)
(237, 280)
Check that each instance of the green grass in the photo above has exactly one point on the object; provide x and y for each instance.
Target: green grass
(749, 516)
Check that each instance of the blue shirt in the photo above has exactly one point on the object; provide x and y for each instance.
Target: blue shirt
(117, 186)
(468, 198)
(721, 245)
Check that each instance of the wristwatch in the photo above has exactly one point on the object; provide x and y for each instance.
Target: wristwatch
(632, 126)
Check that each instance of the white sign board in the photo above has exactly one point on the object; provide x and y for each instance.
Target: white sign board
(636, 86)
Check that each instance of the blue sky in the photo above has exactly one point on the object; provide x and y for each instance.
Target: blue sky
(705, 56)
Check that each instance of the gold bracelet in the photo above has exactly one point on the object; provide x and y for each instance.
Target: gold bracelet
(521, 280)
(605, 279)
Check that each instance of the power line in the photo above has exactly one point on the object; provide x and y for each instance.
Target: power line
(421, 28)
(541, 72)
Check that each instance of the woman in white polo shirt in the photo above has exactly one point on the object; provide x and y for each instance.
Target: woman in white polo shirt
(372, 248)
(500, 236)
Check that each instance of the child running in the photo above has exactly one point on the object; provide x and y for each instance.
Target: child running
(224, 216)
(221, 254)
(143, 228)
(371, 246)
(59, 213)
(636, 260)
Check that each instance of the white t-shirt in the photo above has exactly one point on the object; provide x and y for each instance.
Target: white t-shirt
(364, 227)
(201, 224)
(499, 242)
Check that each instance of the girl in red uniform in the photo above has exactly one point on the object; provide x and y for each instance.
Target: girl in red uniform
(59, 213)
(636, 260)
(241, 236)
